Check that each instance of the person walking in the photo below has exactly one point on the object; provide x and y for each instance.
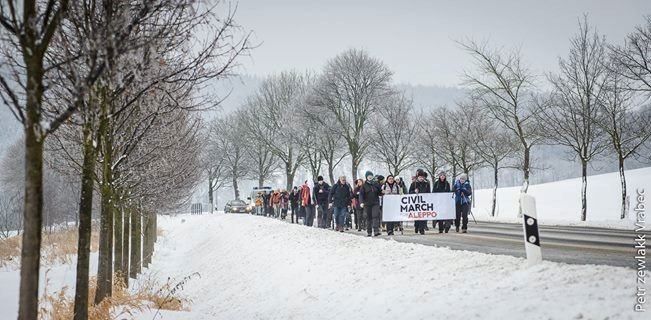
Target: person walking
(421, 185)
(369, 197)
(321, 192)
(441, 185)
(258, 204)
(294, 200)
(275, 201)
(284, 204)
(390, 187)
(307, 204)
(360, 218)
(462, 194)
(340, 198)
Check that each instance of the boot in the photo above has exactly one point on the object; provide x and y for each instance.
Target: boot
(464, 231)
(457, 228)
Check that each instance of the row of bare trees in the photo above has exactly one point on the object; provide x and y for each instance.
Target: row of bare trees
(111, 88)
(596, 105)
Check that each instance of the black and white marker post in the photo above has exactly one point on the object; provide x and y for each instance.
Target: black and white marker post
(530, 225)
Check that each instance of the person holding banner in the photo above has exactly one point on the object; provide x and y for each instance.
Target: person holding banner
(462, 192)
(390, 187)
(421, 185)
(442, 185)
(369, 198)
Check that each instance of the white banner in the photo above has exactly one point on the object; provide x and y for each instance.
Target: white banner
(421, 206)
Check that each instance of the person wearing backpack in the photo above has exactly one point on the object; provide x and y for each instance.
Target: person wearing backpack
(369, 197)
(462, 195)
(340, 199)
(442, 185)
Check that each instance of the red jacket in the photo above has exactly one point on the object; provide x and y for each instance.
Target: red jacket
(306, 197)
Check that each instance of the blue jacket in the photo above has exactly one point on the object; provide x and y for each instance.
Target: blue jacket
(462, 192)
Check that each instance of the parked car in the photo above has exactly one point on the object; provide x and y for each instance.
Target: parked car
(236, 206)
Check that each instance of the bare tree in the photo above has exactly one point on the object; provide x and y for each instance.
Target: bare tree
(634, 58)
(393, 132)
(494, 146)
(504, 85)
(572, 115)
(426, 136)
(628, 128)
(273, 111)
(351, 88)
(226, 141)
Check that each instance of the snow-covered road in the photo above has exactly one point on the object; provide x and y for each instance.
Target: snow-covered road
(258, 268)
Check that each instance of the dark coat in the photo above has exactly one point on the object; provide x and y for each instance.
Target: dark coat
(423, 187)
(441, 186)
(321, 193)
(295, 198)
(341, 195)
(369, 193)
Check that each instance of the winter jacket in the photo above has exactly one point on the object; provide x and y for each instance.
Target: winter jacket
(341, 195)
(284, 199)
(258, 202)
(356, 203)
(462, 192)
(441, 186)
(321, 192)
(275, 198)
(306, 197)
(295, 198)
(422, 187)
(369, 193)
(390, 189)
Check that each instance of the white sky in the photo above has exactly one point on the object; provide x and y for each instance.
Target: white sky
(416, 39)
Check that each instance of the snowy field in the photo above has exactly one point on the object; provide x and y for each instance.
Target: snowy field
(258, 268)
(559, 203)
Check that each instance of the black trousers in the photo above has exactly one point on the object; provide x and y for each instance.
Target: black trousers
(372, 219)
(462, 216)
(295, 212)
(419, 226)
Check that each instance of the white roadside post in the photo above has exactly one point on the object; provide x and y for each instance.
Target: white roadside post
(530, 226)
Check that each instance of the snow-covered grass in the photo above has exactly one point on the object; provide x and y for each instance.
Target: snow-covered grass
(258, 268)
(559, 203)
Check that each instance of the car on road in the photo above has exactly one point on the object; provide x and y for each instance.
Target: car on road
(236, 206)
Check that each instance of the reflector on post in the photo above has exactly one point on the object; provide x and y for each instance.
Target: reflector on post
(530, 226)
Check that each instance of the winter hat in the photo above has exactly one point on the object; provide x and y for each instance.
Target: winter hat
(463, 176)
(368, 173)
(319, 178)
(442, 173)
(379, 177)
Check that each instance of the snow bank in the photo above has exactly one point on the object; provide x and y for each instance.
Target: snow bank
(258, 268)
(559, 203)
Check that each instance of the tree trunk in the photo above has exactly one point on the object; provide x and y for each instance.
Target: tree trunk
(105, 266)
(495, 183)
(260, 180)
(622, 179)
(290, 176)
(526, 169)
(355, 164)
(32, 213)
(584, 187)
(210, 193)
(236, 188)
(147, 245)
(117, 243)
(331, 174)
(85, 224)
(125, 245)
(136, 244)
